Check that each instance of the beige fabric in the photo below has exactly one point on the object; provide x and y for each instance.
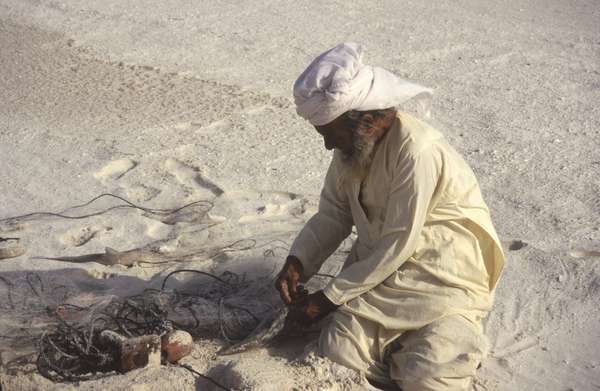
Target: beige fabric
(426, 246)
(443, 355)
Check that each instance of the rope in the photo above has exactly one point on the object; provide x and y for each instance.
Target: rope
(213, 381)
(128, 204)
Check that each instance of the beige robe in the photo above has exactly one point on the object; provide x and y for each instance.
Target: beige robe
(426, 246)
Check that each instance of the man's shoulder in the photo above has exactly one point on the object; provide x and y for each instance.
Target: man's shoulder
(411, 135)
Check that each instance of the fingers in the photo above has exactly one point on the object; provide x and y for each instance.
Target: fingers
(282, 287)
(291, 293)
(287, 282)
(308, 309)
(293, 286)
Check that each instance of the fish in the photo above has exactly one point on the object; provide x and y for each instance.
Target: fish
(269, 328)
(113, 257)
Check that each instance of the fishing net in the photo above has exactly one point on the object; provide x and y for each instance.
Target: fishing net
(55, 330)
(51, 320)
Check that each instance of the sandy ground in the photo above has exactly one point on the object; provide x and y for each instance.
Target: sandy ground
(170, 102)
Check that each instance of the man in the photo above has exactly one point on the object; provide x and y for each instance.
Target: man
(407, 306)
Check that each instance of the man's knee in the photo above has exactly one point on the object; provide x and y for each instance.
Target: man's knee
(347, 340)
(330, 334)
(420, 374)
(339, 345)
(441, 356)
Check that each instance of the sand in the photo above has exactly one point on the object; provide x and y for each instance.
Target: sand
(165, 103)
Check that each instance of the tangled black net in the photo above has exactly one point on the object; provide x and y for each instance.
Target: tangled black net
(68, 347)
(74, 351)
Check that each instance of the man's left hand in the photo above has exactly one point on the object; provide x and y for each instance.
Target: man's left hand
(311, 308)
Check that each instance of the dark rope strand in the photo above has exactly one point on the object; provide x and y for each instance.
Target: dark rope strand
(128, 204)
(213, 381)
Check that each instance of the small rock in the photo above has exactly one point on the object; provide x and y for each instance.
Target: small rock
(176, 345)
(516, 245)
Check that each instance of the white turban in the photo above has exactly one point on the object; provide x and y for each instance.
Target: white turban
(337, 81)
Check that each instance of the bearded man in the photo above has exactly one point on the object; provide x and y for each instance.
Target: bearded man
(407, 307)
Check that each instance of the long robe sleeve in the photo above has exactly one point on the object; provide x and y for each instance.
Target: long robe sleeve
(413, 185)
(325, 231)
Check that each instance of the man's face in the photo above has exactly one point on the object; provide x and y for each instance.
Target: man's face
(339, 134)
(352, 134)
(355, 134)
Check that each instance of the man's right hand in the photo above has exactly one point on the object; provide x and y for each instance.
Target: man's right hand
(287, 280)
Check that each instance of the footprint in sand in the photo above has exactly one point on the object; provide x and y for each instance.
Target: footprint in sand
(273, 206)
(141, 192)
(157, 229)
(80, 236)
(115, 169)
(191, 177)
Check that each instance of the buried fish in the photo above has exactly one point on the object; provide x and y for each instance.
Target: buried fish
(270, 327)
(273, 326)
(113, 257)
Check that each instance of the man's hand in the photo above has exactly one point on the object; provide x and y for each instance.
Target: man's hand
(311, 308)
(287, 281)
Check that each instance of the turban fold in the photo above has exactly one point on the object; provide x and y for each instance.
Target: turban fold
(337, 81)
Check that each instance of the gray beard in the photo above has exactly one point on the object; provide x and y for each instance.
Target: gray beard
(357, 164)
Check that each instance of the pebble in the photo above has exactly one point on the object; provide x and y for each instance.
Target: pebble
(176, 345)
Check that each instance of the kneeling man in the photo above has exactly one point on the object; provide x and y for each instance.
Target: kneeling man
(407, 307)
